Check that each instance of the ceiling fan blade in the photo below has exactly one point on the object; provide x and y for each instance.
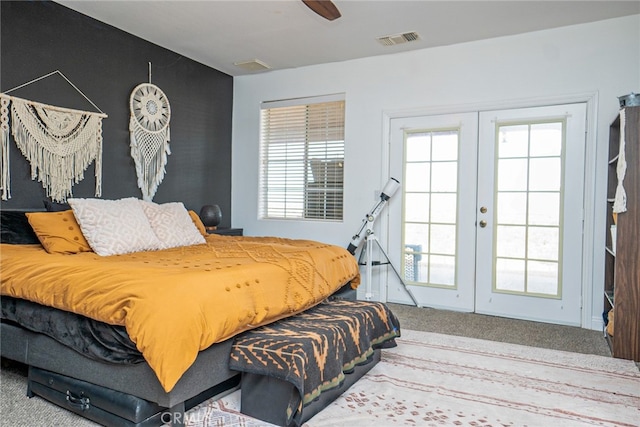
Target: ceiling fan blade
(324, 8)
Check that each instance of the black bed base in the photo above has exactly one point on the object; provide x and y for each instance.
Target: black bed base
(209, 376)
(99, 404)
(109, 407)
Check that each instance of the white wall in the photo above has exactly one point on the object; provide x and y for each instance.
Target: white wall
(600, 61)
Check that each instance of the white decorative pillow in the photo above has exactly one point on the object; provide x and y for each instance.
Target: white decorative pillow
(172, 224)
(114, 227)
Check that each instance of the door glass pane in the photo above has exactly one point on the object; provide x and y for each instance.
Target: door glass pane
(415, 264)
(542, 277)
(442, 270)
(416, 206)
(546, 139)
(544, 208)
(512, 208)
(527, 208)
(509, 275)
(544, 174)
(417, 177)
(543, 243)
(510, 241)
(444, 177)
(512, 174)
(443, 208)
(430, 207)
(417, 236)
(441, 242)
(419, 148)
(513, 141)
(445, 146)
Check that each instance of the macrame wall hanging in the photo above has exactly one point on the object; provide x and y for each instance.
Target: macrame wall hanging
(149, 129)
(59, 143)
(620, 199)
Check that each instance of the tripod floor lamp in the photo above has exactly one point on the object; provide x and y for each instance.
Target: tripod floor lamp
(367, 235)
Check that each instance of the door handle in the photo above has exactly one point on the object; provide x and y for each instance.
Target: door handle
(483, 209)
(483, 223)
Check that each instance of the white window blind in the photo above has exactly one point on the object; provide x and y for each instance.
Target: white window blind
(302, 159)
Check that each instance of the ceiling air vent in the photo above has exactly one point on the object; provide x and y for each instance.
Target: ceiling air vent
(252, 65)
(399, 38)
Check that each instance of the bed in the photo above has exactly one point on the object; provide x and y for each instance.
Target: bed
(180, 307)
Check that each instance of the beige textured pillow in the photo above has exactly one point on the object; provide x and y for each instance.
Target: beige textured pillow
(172, 224)
(114, 227)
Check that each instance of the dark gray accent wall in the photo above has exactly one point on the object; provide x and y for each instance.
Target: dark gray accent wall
(106, 64)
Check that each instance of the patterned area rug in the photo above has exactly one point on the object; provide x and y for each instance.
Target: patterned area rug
(441, 380)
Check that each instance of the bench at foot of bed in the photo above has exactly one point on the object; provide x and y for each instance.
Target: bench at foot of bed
(294, 368)
(267, 398)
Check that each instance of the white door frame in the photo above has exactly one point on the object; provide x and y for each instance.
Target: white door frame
(590, 319)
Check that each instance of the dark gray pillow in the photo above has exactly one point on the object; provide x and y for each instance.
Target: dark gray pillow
(15, 229)
(55, 207)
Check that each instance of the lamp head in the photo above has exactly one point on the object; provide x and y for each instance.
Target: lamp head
(389, 189)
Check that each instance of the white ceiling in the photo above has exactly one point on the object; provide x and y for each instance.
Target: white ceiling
(287, 34)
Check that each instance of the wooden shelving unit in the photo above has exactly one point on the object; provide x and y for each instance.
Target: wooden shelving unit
(622, 262)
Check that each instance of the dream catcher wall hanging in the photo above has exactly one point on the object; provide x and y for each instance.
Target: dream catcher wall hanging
(149, 129)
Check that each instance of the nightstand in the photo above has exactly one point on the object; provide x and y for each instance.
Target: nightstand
(225, 231)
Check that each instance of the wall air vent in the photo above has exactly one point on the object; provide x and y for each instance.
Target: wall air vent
(399, 38)
(252, 65)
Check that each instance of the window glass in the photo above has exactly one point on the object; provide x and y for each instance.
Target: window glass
(302, 159)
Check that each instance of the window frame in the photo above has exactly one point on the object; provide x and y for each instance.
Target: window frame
(301, 174)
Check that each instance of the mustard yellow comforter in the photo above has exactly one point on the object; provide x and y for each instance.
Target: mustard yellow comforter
(179, 301)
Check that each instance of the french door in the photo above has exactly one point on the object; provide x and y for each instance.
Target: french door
(490, 218)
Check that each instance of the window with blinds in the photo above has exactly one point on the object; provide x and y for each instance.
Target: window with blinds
(302, 158)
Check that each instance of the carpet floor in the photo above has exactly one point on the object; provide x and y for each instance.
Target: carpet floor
(438, 379)
(502, 329)
(441, 380)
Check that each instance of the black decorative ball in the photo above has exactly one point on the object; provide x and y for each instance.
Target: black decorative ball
(211, 215)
